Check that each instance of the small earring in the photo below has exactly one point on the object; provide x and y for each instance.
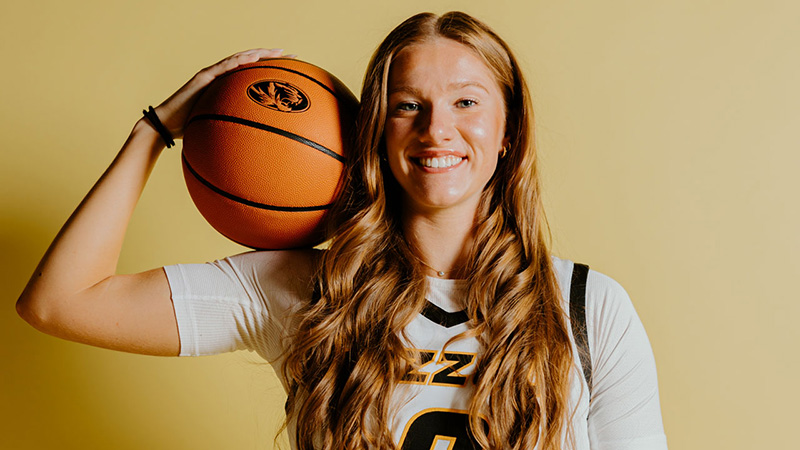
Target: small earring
(505, 150)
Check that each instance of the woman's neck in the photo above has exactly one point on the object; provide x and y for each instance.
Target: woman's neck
(440, 240)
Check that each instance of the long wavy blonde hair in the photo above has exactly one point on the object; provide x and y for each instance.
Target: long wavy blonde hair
(347, 356)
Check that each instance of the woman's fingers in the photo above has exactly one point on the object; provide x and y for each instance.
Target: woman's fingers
(174, 111)
(238, 59)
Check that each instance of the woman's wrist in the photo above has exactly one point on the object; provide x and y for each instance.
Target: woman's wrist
(155, 122)
(145, 132)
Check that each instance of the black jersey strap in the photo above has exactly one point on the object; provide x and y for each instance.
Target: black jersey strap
(577, 317)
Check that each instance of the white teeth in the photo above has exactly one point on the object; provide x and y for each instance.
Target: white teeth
(443, 161)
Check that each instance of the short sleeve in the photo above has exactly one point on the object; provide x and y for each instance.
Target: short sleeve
(625, 412)
(242, 302)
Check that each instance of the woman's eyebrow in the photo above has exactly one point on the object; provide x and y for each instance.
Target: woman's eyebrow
(464, 84)
(455, 86)
(407, 89)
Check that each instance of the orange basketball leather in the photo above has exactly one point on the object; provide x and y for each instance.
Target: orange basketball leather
(264, 151)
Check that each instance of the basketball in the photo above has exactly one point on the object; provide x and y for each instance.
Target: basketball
(264, 150)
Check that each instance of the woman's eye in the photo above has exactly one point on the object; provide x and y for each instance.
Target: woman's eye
(466, 103)
(407, 107)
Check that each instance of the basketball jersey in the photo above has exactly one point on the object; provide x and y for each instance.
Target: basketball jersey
(433, 401)
(246, 302)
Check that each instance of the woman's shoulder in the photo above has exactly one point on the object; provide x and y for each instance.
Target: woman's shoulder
(602, 291)
(248, 272)
(285, 259)
(298, 264)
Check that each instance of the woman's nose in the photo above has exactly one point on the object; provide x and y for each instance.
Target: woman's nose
(437, 125)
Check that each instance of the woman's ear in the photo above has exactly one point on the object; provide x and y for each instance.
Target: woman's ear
(505, 146)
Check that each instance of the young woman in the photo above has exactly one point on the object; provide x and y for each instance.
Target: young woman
(436, 317)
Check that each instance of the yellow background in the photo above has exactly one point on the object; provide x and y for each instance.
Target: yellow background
(668, 133)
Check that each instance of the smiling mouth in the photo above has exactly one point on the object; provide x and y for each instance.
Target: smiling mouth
(440, 162)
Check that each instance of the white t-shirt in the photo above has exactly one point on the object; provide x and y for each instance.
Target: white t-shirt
(245, 302)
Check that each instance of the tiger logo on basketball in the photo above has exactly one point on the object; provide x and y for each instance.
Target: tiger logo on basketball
(278, 95)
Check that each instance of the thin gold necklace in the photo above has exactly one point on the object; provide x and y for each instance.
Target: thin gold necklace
(440, 273)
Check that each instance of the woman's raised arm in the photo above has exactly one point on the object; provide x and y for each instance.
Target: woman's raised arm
(75, 293)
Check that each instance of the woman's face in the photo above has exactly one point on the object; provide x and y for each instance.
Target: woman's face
(445, 125)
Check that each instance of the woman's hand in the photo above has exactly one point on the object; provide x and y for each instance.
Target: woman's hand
(174, 111)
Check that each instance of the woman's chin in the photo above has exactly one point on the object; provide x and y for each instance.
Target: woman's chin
(438, 202)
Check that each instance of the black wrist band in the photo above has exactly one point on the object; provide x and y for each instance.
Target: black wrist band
(151, 116)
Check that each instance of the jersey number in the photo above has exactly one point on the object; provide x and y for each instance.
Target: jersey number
(438, 430)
